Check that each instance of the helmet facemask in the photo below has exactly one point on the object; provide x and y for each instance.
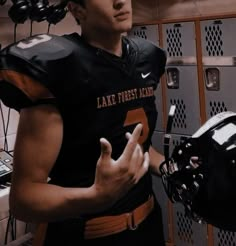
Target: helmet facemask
(201, 173)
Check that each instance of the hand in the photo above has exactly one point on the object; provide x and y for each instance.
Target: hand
(194, 162)
(114, 178)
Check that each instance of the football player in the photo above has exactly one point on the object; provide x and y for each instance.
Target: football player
(83, 157)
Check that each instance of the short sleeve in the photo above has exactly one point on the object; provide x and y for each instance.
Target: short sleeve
(18, 91)
(22, 83)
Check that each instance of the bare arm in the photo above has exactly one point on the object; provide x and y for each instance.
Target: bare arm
(156, 159)
(39, 138)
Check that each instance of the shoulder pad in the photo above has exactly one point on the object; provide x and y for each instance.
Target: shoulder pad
(147, 47)
(40, 49)
(30, 65)
(151, 52)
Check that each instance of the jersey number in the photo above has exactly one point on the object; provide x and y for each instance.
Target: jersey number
(33, 41)
(138, 116)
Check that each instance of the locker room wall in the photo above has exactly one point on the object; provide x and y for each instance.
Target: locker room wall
(152, 10)
(199, 48)
(194, 47)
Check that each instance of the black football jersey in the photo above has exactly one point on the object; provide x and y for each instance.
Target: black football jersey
(97, 93)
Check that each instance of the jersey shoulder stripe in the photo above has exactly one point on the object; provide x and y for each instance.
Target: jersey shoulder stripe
(30, 87)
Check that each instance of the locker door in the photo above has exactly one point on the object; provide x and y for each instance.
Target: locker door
(219, 64)
(224, 238)
(187, 232)
(182, 78)
(157, 141)
(219, 52)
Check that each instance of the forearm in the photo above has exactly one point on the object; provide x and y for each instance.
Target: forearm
(156, 159)
(38, 202)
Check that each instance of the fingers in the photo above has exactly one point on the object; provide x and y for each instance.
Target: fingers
(140, 162)
(106, 149)
(144, 169)
(132, 142)
(194, 162)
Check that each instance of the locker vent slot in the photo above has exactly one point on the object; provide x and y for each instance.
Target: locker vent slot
(180, 114)
(175, 142)
(217, 107)
(185, 231)
(141, 32)
(214, 42)
(226, 238)
(174, 44)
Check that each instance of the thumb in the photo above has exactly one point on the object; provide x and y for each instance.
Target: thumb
(106, 149)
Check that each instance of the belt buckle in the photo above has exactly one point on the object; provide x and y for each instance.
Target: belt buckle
(131, 221)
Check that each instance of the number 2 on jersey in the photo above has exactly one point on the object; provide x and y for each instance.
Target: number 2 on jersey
(138, 116)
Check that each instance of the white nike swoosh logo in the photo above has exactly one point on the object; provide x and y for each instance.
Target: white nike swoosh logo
(144, 76)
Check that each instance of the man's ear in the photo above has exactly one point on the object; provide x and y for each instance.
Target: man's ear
(78, 11)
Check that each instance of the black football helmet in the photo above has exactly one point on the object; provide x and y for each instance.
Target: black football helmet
(201, 172)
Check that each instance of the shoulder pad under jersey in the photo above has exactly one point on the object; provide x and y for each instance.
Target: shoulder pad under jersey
(31, 65)
(152, 52)
(37, 54)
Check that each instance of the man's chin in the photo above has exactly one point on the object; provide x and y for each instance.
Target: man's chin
(125, 28)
